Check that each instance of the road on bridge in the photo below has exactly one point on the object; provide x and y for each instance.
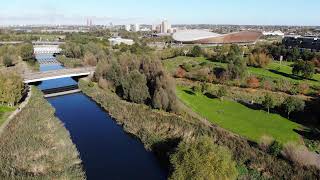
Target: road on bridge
(56, 74)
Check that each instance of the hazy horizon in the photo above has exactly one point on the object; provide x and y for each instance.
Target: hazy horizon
(229, 12)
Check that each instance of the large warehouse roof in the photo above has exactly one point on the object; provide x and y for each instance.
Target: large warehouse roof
(206, 37)
(193, 35)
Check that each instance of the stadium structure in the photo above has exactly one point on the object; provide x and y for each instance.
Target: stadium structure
(207, 37)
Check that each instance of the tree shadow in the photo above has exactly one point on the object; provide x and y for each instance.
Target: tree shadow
(210, 96)
(311, 134)
(164, 149)
(189, 92)
(292, 76)
(286, 75)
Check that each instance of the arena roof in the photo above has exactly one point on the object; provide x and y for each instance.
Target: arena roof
(193, 35)
(206, 37)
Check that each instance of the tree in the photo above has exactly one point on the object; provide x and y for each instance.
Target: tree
(135, 87)
(11, 87)
(26, 51)
(260, 60)
(292, 104)
(196, 51)
(304, 68)
(202, 159)
(268, 102)
(222, 91)
(90, 59)
(237, 68)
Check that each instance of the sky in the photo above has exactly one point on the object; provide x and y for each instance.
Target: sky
(243, 12)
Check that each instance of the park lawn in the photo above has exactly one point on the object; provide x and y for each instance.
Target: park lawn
(281, 71)
(233, 116)
(4, 112)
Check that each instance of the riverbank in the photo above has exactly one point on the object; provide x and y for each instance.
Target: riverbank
(12, 115)
(160, 132)
(36, 145)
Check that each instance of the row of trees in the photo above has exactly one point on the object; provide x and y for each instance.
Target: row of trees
(139, 79)
(290, 104)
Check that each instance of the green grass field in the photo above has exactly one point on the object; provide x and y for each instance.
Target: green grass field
(4, 111)
(274, 70)
(233, 116)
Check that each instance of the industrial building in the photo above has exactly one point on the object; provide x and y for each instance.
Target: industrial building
(119, 40)
(207, 37)
(305, 42)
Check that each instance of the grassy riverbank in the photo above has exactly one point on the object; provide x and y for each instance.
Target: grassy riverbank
(4, 113)
(161, 131)
(36, 145)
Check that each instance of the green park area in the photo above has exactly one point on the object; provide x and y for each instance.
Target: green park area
(240, 119)
(274, 70)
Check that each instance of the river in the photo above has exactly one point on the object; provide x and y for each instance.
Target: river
(107, 152)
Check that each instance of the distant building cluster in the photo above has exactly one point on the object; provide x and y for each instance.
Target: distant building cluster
(273, 33)
(304, 42)
(163, 28)
(119, 41)
(89, 22)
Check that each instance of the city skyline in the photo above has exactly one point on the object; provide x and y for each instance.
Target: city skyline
(246, 12)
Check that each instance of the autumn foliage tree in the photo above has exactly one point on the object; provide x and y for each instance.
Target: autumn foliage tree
(260, 60)
(253, 82)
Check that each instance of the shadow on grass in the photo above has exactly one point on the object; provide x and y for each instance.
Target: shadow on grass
(189, 92)
(292, 76)
(210, 96)
(311, 134)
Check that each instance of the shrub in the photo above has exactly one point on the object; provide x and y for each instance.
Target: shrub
(222, 91)
(303, 88)
(90, 84)
(268, 85)
(253, 82)
(202, 159)
(180, 73)
(196, 51)
(300, 155)
(104, 84)
(7, 60)
(196, 89)
(89, 59)
(265, 142)
(275, 148)
(259, 60)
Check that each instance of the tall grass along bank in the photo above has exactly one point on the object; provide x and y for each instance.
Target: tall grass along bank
(36, 145)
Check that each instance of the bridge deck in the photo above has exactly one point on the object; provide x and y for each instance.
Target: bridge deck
(55, 74)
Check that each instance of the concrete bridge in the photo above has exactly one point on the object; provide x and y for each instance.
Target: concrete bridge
(46, 49)
(47, 43)
(56, 74)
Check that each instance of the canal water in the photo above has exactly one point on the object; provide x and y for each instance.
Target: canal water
(107, 152)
